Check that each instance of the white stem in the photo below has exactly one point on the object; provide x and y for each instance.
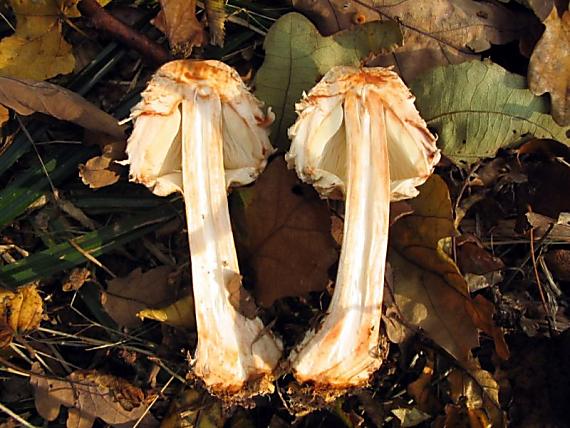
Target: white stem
(234, 353)
(343, 352)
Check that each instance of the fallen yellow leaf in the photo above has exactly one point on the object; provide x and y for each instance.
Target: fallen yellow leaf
(37, 49)
(21, 312)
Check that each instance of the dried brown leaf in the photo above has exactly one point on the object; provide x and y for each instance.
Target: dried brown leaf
(29, 96)
(424, 391)
(177, 20)
(549, 68)
(4, 115)
(287, 236)
(436, 32)
(101, 171)
(193, 408)
(89, 395)
(473, 258)
(76, 278)
(479, 391)
(429, 290)
(127, 296)
(20, 312)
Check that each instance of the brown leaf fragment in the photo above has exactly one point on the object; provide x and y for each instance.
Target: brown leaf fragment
(423, 390)
(177, 20)
(20, 312)
(29, 96)
(549, 67)
(479, 392)
(4, 115)
(288, 239)
(125, 297)
(193, 408)
(89, 395)
(473, 258)
(240, 298)
(482, 312)
(76, 278)
(436, 32)
(103, 170)
(558, 262)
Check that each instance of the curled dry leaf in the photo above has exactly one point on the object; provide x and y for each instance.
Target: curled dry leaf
(549, 68)
(127, 296)
(429, 290)
(37, 50)
(89, 395)
(177, 19)
(21, 312)
(283, 214)
(436, 32)
(29, 96)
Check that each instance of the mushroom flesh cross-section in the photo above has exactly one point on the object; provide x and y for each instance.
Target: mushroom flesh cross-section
(358, 137)
(198, 131)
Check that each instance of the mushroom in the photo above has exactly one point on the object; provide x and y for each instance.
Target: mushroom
(357, 136)
(198, 131)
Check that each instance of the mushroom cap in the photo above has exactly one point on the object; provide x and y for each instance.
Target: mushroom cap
(318, 148)
(154, 148)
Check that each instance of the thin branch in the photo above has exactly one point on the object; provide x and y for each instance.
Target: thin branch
(103, 20)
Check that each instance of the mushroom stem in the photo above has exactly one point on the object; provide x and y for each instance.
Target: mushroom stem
(343, 352)
(232, 350)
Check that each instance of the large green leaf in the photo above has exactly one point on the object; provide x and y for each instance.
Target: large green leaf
(297, 56)
(479, 107)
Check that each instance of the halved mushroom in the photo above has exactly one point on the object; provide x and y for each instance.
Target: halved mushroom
(358, 136)
(199, 131)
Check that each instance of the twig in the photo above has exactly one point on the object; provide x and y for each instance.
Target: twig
(539, 284)
(103, 20)
(17, 417)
